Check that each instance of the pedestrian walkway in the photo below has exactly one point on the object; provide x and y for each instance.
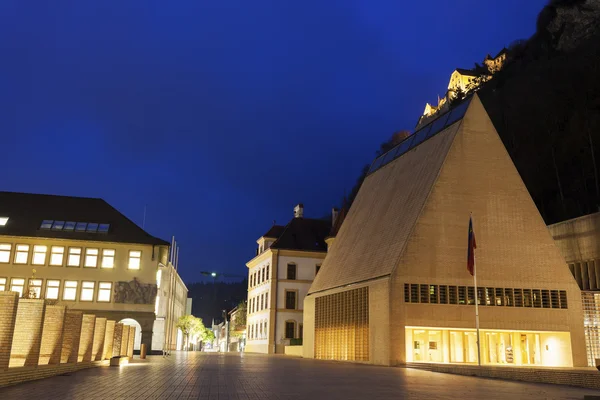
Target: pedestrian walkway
(248, 376)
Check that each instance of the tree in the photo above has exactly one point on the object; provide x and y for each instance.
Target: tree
(190, 325)
(207, 335)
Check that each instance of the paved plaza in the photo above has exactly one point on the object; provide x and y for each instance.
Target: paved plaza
(248, 376)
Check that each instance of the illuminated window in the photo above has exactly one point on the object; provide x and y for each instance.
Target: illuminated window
(104, 291)
(290, 300)
(58, 225)
(52, 288)
(5, 252)
(35, 288)
(508, 298)
(57, 254)
(39, 255)
(3, 221)
(462, 295)
(70, 290)
(16, 285)
(69, 226)
(135, 258)
(291, 271)
(108, 258)
(22, 254)
(74, 257)
(2, 284)
(91, 258)
(103, 228)
(46, 224)
(80, 226)
(91, 227)
(290, 329)
(87, 291)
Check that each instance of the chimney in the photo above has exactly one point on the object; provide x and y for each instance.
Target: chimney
(299, 211)
(334, 215)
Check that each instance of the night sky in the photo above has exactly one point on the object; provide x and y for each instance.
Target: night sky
(220, 116)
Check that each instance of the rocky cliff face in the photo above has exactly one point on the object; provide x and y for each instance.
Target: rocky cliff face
(566, 24)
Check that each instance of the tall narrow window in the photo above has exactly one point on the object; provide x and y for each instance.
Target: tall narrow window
(35, 288)
(462, 295)
(267, 300)
(57, 254)
(490, 297)
(546, 299)
(554, 298)
(537, 298)
(424, 289)
(262, 302)
(414, 293)
(470, 295)
(518, 297)
(39, 255)
(452, 294)
(290, 300)
(2, 284)
(52, 288)
(91, 258)
(87, 291)
(74, 259)
(509, 300)
(563, 299)
(291, 271)
(527, 298)
(263, 275)
(22, 254)
(443, 294)
(499, 296)
(267, 272)
(5, 252)
(433, 294)
(70, 290)
(108, 258)
(290, 328)
(406, 293)
(135, 259)
(16, 285)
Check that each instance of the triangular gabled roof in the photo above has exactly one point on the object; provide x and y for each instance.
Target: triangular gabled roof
(373, 236)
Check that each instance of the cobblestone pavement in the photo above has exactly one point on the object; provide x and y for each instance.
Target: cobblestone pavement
(248, 376)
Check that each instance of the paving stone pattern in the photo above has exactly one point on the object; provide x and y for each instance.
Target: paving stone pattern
(233, 376)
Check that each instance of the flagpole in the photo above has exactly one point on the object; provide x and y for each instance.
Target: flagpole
(476, 307)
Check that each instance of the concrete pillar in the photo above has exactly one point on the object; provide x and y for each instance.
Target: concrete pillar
(117, 340)
(25, 350)
(124, 340)
(71, 336)
(98, 344)
(8, 315)
(52, 335)
(131, 341)
(109, 338)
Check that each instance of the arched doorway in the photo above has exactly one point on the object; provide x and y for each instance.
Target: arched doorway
(138, 331)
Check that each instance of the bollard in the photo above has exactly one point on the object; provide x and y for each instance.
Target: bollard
(143, 351)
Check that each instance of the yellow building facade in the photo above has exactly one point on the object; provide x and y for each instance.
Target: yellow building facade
(400, 257)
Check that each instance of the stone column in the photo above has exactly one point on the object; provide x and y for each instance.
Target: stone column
(25, 351)
(109, 338)
(124, 340)
(71, 336)
(98, 344)
(117, 340)
(86, 338)
(8, 315)
(52, 335)
(131, 341)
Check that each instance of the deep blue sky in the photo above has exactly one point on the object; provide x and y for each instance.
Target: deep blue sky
(222, 115)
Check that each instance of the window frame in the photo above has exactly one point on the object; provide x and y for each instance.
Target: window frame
(5, 284)
(295, 291)
(86, 255)
(93, 290)
(64, 291)
(22, 286)
(80, 255)
(41, 286)
(33, 254)
(114, 254)
(130, 257)
(287, 276)
(10, 248)
(102, 289)
(48, 286)
(17, 251)
(293, 323)
(62, 260)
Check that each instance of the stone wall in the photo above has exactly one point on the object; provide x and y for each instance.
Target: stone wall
(39, 340)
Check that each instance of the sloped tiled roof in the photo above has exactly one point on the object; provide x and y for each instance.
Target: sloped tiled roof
(304, 234)
(375, 231)
(26, 211)
(274, 232)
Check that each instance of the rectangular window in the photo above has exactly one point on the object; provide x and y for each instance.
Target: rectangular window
(508, 298)
(16, 285)
(462, 295)
(46, 224)
(5, 252)
(74, 257)
(52, 288)
(57, 254)
(317, 268)
(263, 274)
(39, 255)
(69, 226)
(563, 299)
(267, 272)
(22, 254)
(481, 296)
(103, 228)
(87, 291)
(527, 298)
(267, 300)
(91, 258)
(490, 297)
(555, 299)
(406, 293)
(290, 300)
(58, 225)
(471, 295)
(135, 259)
(424, 292)
(414, 293)
(443, 294)
(70, 290)
(518, 298)
(291, 271)
(537, 298)
(546, 299)
(499, 296)
(453, 294)
(433, 294)
(290, 327)
(2, 284)
(91, 227)
(35, 288)
(108, 258)
(80, 226)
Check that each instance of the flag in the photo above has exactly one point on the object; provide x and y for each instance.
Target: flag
(471, 249)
